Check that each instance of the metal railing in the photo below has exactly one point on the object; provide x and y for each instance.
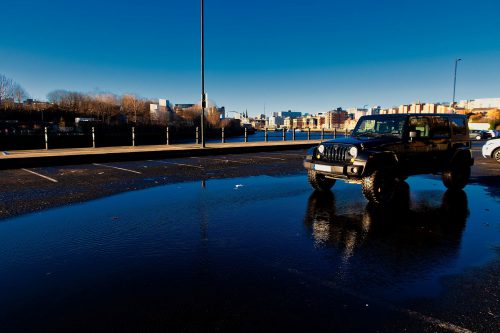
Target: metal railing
(93, 138)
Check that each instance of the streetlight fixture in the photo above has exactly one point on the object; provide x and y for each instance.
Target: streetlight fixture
(455, 80)
(203, 95)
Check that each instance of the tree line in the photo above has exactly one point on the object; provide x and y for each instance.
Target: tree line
(64, 106)
(102, 106)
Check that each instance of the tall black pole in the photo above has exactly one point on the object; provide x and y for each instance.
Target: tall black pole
(455, 80)
(203, 95)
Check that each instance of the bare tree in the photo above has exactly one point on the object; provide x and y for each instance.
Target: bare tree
(57, 96)
(6, 88)
(132, 105)
(106, 104)
(19, 93)
(213, 117)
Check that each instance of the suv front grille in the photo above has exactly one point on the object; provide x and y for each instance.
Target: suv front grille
(336, 153)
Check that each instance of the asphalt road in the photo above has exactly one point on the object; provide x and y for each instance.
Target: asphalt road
(34, 189)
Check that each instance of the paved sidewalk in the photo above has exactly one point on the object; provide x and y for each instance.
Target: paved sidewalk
(40, 157)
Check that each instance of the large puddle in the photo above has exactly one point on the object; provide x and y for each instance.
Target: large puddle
(232, 245)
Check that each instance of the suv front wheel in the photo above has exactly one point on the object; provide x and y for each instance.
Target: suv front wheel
(318, 181)
(379, 187)
(457, 176)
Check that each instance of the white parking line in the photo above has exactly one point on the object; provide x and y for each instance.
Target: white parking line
(288, 154)
(269, 158)
(220, 159)
(117, 168)
(39, 175)
(181, 164)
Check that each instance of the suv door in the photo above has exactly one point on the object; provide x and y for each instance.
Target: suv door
(459, 132)
(419, 150)
(440, 136)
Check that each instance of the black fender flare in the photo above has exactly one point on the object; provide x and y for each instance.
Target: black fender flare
(378, 160)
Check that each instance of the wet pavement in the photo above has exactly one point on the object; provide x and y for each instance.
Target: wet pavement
(245, 251)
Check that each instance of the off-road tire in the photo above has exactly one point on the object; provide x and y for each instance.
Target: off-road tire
(319, 182)
(379, 187)
(496, 155)
(457, 176)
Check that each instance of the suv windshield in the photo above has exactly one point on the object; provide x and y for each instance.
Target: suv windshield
(383, 126)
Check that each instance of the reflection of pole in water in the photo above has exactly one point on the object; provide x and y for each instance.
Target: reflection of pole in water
(203, 211)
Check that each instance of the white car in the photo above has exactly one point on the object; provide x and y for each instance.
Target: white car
(494, 133)
(491, 149)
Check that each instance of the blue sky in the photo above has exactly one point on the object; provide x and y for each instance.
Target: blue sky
(306, 56)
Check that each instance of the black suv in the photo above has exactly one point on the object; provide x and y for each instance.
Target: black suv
(384, 149)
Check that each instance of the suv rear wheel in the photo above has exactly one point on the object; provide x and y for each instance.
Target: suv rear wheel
(457, 176)
(379, 187)
(318, 181)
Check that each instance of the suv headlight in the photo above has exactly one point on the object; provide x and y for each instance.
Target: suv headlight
(321, 149)
(353, 152)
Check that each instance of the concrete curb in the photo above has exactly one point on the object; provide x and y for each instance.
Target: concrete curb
(116, 154)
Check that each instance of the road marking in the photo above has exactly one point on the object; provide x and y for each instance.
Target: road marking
(270, 158)
(301, 155)
(181, 164)
(220, 159)
(117, 168)
(40, 175)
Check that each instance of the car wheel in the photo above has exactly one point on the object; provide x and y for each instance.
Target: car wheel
(379, 187)
(318, 181)
(457, 176)
(496, 155)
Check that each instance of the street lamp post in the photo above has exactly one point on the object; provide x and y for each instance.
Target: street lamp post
(203, 95)
(455, 79)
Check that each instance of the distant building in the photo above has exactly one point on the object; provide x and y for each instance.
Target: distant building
(374, 110)
(416, 107)
(289, 113)
(480, 103)
(335, 118)
(404, 108)
(275, 122)
(161, 111)
(311, 122)
(357, 112)
(430, 108)
(222, 112)
(184, 106)
(443, 109)
(298, 123)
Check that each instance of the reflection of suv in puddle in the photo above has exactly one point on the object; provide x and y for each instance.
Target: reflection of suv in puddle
(383, 149)
(414, 237)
